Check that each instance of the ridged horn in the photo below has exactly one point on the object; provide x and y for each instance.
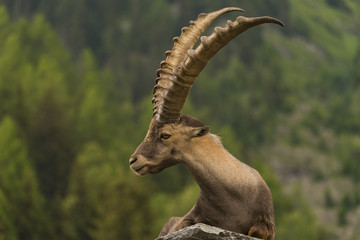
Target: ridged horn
(164, 110)
(183, 64)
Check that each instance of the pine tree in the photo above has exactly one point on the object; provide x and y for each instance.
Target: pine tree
(22, 213)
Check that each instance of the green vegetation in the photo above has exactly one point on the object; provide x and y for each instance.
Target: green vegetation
(75, 101)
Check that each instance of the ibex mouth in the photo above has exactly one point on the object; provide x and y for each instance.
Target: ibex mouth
(139, 168)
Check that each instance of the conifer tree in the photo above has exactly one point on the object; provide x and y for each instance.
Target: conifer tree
(22, 214)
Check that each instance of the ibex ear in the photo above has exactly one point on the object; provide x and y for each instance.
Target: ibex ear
(199, 131)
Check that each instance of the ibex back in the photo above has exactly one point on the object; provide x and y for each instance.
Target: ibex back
(233, 196)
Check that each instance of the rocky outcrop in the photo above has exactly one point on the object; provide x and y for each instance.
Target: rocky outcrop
(201, 231)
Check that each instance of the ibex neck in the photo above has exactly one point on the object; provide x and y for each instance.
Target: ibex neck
(216, 171)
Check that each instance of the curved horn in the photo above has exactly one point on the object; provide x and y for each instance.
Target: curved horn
(183, 64)
(210, 45)
(163, 110)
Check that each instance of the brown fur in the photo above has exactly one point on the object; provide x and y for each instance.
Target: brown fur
(233, 196)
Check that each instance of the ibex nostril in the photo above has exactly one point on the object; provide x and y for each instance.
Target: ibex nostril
(132, 160)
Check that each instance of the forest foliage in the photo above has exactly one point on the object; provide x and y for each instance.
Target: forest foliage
(75, 101)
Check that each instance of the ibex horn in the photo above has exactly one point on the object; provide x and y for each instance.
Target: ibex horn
(183, 64)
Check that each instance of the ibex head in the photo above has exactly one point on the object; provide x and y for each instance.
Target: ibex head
(164, 144)
(170, 133)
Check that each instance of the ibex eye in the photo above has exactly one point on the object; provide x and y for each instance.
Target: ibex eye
(165, 136)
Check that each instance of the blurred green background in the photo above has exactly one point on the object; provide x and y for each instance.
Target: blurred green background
(76, 79)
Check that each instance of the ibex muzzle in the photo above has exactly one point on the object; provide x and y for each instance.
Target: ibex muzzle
(233, 196)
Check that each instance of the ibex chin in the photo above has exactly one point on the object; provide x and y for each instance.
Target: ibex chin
(233, 196)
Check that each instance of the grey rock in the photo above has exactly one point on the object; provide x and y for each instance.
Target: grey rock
(202, 231)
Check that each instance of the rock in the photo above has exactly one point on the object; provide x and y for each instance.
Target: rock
(201, 231)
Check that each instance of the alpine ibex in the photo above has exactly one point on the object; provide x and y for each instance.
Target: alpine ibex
(233, 196)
